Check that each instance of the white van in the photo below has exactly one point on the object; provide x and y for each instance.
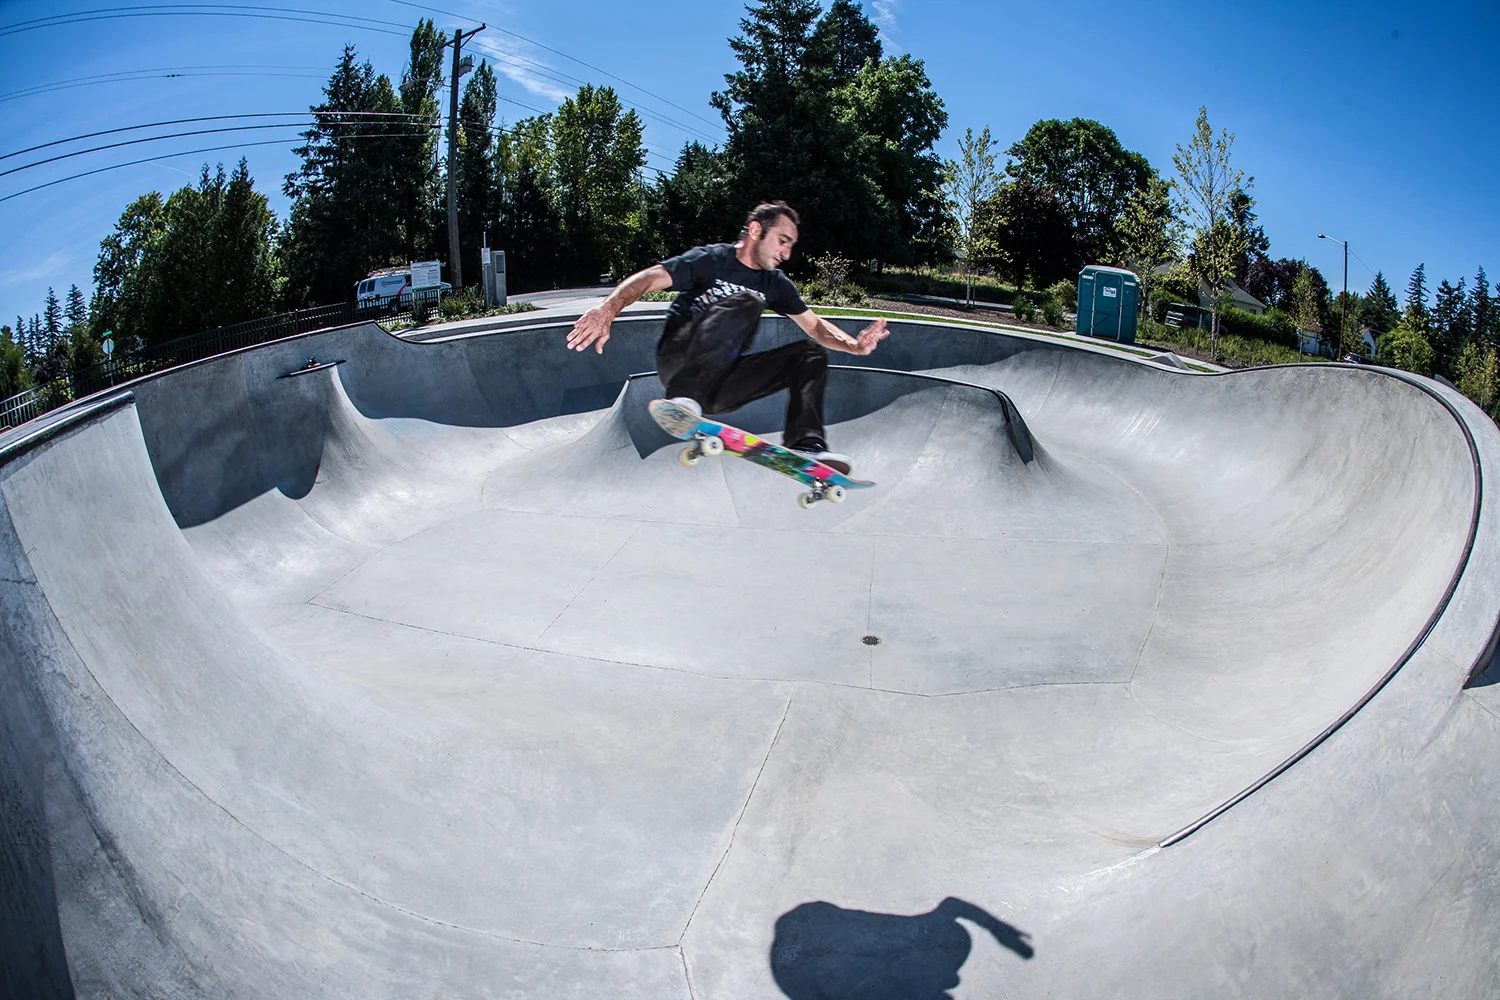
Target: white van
(383, 287)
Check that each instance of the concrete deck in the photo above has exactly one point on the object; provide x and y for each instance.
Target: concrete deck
(434, 674)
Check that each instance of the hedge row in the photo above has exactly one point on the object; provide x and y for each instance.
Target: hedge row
(940, 285)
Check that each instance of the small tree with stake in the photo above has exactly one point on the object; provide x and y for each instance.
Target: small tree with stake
(971, 181)
(1207, 182)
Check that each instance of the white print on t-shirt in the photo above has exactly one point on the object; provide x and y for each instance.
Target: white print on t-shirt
(720, 289)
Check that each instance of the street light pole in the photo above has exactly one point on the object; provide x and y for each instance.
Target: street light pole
(1344, 310)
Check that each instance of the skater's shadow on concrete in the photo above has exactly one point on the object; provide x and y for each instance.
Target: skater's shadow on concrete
(824, 952)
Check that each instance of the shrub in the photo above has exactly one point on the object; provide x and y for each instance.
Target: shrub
(1179, 286)
(1273, 328)
(849, 295)
(421, 310)
(1053, 313)
(1025, 306)
(1065, 292)
(936, 283)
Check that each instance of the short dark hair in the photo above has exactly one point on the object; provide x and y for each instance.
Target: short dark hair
(767, 212)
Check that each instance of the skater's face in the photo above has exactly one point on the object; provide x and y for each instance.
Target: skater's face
(771, 246)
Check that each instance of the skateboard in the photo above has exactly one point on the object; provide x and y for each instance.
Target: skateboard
(710, 437)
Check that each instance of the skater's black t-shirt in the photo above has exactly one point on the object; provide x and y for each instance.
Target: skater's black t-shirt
(704, 275)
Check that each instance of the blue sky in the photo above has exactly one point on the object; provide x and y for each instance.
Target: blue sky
(1372, 122)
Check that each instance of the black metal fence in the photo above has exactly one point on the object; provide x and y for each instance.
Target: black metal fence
(122, 367)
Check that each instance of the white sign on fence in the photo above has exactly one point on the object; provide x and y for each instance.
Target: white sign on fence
(426, 274)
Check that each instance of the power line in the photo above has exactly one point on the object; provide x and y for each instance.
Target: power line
(388, 115)
(557, 76)
(1362, 263)
(149, 138)
(206, 10)
(530, 41)
(189, 152)
(164, 73)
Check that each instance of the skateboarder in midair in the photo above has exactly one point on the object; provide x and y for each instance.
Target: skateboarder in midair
(724, 289)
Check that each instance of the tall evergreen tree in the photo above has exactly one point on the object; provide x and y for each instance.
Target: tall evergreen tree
(1450, 324)
(787, 140)
(530, 232)
(1380, 310)
(1416, 300)
(205, 257)
(52, 319)
(419, 186)
(844, 41)
(692, 206)
(1255, 245)
(245, 266)
(1483, 316)
(75, 308)
(477, 207)
(366, 194)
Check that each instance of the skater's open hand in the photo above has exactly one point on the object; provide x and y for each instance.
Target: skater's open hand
(592, 328)
(869, 337)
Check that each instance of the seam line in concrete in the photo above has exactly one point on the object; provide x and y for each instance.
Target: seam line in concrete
(687, 977)
(1487, 710)
(744, 807)
(1161, 586)
(532, 648)
(584, 589)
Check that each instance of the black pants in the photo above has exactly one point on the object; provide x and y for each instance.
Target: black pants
(704, 359)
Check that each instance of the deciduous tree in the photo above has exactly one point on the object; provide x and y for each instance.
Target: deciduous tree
(1025, 227)
(15, 375)
(1405, 347)
(969, 183)
(598, 156)
(1148, 233)
(1207, 180)
(1091, 174)
(1477, 374)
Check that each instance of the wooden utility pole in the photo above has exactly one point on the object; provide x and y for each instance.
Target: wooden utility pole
(460, 67)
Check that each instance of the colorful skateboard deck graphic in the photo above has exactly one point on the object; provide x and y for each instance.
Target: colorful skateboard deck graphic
(705, 431)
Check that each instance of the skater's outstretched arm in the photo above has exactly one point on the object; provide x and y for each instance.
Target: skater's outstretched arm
(592, 327)
(834, 339)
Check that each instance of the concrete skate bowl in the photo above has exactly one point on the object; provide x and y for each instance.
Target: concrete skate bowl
(433, 673)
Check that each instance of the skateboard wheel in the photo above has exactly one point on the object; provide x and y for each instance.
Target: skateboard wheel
(806, 500)
(689, 456)
(712, 446)
(835, 494)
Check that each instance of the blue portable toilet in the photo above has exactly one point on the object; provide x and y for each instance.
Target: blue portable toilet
(1107, 301)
